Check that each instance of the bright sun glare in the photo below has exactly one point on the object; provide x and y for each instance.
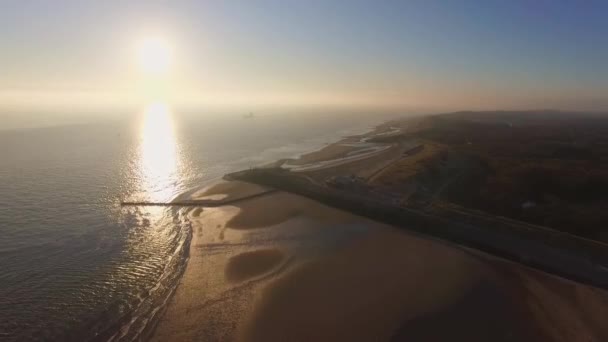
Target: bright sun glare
(154, 56)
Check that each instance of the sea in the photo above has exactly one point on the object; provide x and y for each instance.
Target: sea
(74, 264)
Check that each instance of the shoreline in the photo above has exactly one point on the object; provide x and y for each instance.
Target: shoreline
(194, 193)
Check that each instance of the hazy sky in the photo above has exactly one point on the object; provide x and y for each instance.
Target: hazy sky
(440, 54)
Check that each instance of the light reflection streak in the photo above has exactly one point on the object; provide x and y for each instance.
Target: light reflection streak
(155, 243)
(159, 157)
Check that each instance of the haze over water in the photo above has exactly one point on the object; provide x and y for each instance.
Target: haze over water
(76, 264)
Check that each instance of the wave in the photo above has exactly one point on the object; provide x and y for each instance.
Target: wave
(139, 321)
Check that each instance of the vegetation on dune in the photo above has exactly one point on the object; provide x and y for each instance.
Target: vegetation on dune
(543, 168)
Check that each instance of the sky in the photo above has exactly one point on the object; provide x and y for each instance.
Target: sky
(378, 54)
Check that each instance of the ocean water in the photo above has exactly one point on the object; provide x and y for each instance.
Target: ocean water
(74, 265)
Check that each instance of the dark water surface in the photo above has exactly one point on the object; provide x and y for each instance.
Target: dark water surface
(76, 266)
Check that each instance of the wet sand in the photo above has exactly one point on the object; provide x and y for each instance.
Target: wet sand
(285, 268)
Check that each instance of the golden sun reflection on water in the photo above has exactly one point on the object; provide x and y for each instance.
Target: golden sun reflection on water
(159, 157)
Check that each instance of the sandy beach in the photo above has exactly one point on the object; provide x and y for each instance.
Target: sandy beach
(285, 268)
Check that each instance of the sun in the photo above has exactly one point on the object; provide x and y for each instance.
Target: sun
(154, 56)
